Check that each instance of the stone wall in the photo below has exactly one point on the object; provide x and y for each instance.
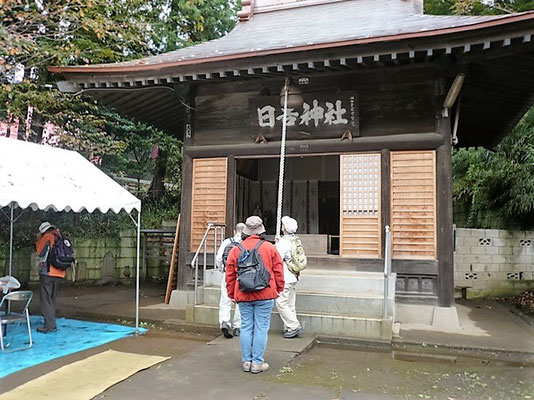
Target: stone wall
(494, 262)
(97, 260)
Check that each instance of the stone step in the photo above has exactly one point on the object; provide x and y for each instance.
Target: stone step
(331, 281)
(314, 323)
(343, 304)
(343, 282)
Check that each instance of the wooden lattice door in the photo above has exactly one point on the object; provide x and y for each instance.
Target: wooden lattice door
(413, 204)
(208, 197)
(360, 232)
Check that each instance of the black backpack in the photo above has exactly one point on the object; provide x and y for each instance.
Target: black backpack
(251, 272)
(226, 251)
(61, 256)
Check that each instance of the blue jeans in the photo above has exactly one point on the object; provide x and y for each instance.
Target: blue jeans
(255, 321)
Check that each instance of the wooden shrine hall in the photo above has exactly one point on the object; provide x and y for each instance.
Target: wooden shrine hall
(385, 93)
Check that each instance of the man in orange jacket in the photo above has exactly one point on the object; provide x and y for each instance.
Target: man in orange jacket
(49, 276)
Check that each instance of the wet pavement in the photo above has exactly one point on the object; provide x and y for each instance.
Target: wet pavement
(355, 373)
(155, 342)
(423, 364)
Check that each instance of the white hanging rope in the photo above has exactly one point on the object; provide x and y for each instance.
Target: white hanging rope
(282, 164)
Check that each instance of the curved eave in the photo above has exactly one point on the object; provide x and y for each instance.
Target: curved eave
(113, 68)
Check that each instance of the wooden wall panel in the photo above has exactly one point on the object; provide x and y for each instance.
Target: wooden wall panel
(360, 194)
(389, 105)
(413, 204)
(208, 197)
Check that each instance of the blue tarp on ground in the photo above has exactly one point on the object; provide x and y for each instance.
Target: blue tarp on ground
(72, 336)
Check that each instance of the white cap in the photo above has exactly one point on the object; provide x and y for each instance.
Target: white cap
(290, 224)
(45, 226)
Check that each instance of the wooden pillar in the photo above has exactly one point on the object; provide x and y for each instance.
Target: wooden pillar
(184, 271)
(230, 196)
(445, 216)
(385, 191)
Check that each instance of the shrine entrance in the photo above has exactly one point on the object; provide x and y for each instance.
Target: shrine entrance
(311, 195)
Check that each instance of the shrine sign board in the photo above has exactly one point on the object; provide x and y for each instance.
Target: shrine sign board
(322, 116)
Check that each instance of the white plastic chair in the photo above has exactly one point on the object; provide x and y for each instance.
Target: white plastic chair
(15, 312)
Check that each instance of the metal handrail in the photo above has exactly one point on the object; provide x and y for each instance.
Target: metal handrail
(387, 270)
(217, 228)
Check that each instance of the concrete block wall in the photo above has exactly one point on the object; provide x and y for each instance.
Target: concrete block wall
(494, 262)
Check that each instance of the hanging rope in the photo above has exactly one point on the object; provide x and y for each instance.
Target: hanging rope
(282, 163)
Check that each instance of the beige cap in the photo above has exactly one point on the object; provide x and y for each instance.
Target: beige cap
(254, 226)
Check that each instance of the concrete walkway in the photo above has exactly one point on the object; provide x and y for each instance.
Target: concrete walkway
(484, 325)
(212, 369)
(214, 372)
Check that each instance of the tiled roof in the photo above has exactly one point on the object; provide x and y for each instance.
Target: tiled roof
(309, 25)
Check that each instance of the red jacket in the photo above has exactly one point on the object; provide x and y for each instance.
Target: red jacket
(271, 260)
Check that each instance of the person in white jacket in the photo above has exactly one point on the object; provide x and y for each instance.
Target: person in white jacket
(285, 303)
(230, 327)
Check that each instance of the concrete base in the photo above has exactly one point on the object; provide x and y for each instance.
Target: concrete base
(438, 317)
(445, 317)
(313, 323)
(182, 298)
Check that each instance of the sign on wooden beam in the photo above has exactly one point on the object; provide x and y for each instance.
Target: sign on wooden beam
(322, 115)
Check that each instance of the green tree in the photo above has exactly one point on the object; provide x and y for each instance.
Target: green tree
(476, 7)
(495, 189)
(37, 34)
(186, 22)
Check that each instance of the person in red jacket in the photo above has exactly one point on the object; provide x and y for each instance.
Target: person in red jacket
(49, 276)
(255, 306)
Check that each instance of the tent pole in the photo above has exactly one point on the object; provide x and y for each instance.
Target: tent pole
(11, 222)
(137, 274)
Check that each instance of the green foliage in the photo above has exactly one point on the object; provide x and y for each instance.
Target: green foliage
(187, 22)
(495, 189)
(476, 7)
(37, 34)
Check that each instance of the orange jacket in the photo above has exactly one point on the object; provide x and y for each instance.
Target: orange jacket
(273, 264)
(43, 246)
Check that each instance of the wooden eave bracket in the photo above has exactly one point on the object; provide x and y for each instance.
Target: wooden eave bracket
(247, 10)
(260, 139)
(346, 135)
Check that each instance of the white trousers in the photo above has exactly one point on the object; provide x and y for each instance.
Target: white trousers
(285, 304)
(225, 307)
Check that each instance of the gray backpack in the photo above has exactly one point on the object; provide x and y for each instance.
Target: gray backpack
(251, 272)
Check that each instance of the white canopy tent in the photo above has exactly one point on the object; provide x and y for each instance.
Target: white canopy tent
(47, 178)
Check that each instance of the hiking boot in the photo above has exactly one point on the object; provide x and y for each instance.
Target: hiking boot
(227, 330)
(44, 329)
(236, 332)
(246, 366)
(293, 333)
(257, 368)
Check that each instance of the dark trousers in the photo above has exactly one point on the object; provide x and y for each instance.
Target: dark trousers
(48, 286)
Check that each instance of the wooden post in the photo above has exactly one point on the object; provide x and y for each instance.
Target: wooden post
(171, 281)
(230, 196)
(385, 191)
(184, 272)
(445, 216)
